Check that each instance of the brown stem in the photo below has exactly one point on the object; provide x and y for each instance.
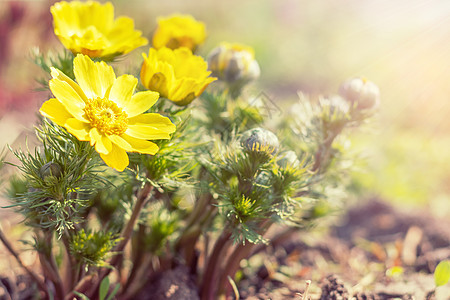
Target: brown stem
(70, 278)
(198, 210)
(137, 257)
(49, 266)
(323, 153)
(209, 286)
(143, 195)
(240, 252)
(82, 286)
(30, 272)
(144, 271)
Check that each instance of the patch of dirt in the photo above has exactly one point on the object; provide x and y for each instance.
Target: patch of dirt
(174, 284)
(378, 252)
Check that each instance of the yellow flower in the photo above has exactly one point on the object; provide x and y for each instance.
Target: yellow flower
(234, 63)
(90, 28)
(177, 75)
(102, 109)
(179, 31)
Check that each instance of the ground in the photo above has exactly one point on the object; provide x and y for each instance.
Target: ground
(378, 252)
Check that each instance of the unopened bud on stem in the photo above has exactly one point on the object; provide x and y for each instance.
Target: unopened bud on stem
(235, 64)
(260, 140)
(50, 169)
(360, 92)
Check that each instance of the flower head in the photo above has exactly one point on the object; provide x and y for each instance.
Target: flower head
(234, 63)
(260, 140)
(177, 75)
(102, 109)
(90, 28)
(179, 31)
(360, 92)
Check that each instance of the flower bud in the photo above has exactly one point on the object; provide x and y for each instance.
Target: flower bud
(288, 159)
(50, 169)
(260, 140)
(335, 111)
(233, 63)
(360, 92)
(177, 31)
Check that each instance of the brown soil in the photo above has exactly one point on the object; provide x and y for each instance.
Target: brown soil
(358, 259)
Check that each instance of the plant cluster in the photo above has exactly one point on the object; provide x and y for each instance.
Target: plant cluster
(133, 178)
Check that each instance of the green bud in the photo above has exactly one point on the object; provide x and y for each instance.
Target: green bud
(360, 92)
(263, 179)
(234, 64)
(260, 140)
(50, 169)
(244, 207)
(288, 159)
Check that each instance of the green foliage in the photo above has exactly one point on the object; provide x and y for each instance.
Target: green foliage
(91, 248)
(56, 202)
(218, 115)
(103, 291)
(442, 273)
(61, 61)
(162, 224)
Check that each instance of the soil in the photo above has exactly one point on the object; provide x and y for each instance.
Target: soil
(377, 252)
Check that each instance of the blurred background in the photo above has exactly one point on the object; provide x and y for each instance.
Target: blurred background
(311, 46)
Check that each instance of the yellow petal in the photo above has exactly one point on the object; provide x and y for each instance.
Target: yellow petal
(89, 27)
(156, 74)
(71, 100)
(63, 77)
(122, 90)
(182, 88)
(146, 132)
(141, 102)
(153, 120)
(79, 129)
(95, 79)
(55, 111)
(141, 146)
(123, 37)
(150, 126)
(102, 143)
(117, 158)
(119, 141)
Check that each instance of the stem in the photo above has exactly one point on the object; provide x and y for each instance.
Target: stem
(30, 272)
(70, 278)
(209, 285)
(49, 266)
(81, 286)
(240, 252)
(143, 195)
(134, 286)
(138, 257)
(323, 153)
(198, 211)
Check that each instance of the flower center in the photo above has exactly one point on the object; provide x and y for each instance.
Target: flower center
(106, 116)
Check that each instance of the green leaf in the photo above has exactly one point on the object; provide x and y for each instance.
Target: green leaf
(82, 296)
(114, 292)
(104, 287)
(442, 273)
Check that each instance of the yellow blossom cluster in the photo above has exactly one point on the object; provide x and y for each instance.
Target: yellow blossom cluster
(98, 107)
